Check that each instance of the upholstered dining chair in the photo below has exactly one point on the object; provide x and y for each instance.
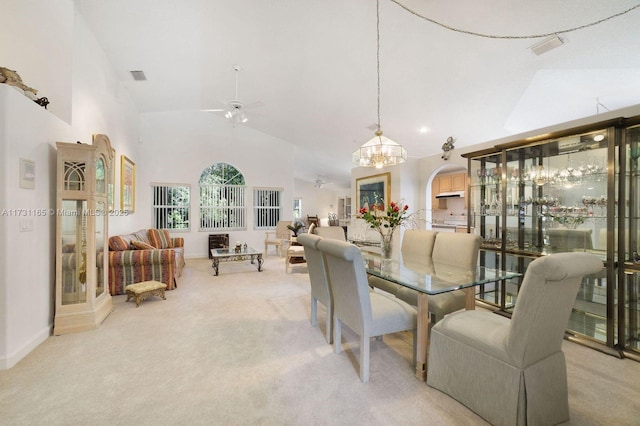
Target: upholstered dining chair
(320, 285)
(278, 237)
(513, 371)
(369, 314)
(335, 232)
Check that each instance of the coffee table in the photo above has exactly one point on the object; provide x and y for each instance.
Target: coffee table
(230, 254)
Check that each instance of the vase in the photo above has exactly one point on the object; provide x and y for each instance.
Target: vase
(387, 247)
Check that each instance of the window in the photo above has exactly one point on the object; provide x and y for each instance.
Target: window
(171, 206)
(222, 198)
(297, 208)
(266, 207)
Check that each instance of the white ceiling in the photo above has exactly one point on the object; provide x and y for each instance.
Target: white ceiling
(313, 66)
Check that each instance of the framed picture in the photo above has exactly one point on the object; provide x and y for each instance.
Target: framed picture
(127, 184)
(373, 192)
(27, 174)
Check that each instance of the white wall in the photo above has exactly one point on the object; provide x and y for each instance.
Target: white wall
(29, 32)
(35, 41)
(265, 162)
(317, 201)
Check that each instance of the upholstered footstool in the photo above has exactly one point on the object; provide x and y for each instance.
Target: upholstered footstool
(141, 291)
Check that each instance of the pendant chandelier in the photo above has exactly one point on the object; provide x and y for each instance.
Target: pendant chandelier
(379, 151)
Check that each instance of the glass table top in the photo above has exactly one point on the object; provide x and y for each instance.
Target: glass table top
(231, 251)
(431, 277)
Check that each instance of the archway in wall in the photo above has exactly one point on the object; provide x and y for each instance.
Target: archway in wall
(445, 168)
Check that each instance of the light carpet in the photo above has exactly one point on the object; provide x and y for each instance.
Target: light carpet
(238, 349)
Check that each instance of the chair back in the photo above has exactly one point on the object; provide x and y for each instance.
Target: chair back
(282, 232)
(569, 239)
(333, 232)
(417, 244)
(313, 219)
(456, 249)
(320, 285)
(348, 277)
(545, 300)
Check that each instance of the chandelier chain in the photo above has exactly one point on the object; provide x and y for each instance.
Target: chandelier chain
(378, 55)
(513, 37)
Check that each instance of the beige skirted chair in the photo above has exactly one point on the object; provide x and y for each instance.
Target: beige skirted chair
(334, 232)
(369, 314)
(279, 237)
(441, 248)
(513, 371)
(319, 278)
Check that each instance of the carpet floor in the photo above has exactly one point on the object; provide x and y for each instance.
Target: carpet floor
(238, 349)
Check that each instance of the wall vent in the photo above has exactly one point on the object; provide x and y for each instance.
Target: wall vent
(138, 75)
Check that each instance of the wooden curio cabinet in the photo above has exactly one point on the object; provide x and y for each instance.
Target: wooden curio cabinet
(82, 217)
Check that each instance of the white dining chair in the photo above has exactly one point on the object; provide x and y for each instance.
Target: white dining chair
(319, 279)
(367, 313)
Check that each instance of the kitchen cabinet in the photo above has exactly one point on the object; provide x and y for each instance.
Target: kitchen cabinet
(446, 183)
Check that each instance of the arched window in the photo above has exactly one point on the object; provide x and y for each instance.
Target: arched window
(222, 198)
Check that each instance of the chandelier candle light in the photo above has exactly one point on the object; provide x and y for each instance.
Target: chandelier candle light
(379, 151)
(386, 222)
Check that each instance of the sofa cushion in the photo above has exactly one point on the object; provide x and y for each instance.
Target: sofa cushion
(118, 243)
(160, 238)
(141, 235)
(141, 245)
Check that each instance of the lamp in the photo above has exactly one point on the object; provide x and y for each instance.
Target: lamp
(379, 151)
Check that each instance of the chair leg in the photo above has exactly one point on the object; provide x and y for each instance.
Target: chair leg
(337, 331)
(365, 347)
(314, 311)
(329, 325)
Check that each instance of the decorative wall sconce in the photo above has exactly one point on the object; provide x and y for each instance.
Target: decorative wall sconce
(447, 147)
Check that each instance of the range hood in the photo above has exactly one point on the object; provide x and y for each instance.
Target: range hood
(451, 194)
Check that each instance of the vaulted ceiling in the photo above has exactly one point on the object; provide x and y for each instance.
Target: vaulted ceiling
(312, 66)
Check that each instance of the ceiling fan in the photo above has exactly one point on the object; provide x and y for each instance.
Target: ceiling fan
(320, 183)
(235, 108)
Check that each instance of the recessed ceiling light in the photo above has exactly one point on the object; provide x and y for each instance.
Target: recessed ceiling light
(423, 130)
(598, 138)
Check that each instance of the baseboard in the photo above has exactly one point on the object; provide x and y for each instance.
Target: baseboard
(13, 358)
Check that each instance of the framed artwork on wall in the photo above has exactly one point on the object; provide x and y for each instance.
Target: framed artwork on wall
(373, 192)
(27, 174)
(127, 184)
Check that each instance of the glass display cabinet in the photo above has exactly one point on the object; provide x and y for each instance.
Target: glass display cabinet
(82, 297)
(573, 190)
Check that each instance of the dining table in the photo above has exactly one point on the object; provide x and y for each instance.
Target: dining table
(429, 278)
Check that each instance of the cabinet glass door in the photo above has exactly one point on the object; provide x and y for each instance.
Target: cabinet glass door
(630, 336)
(74, 252)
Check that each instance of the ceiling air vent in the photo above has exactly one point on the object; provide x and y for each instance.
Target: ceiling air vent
(138, 75)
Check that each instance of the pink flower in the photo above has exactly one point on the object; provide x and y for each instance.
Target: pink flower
(406, 207)
(363, 210)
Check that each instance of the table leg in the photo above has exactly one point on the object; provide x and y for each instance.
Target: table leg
(216, 262)
(470, 298)
(260, 263)
(422, 337)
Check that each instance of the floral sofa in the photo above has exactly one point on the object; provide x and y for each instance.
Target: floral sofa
(144, 255)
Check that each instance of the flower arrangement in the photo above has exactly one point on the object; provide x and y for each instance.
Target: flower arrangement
(386, 222)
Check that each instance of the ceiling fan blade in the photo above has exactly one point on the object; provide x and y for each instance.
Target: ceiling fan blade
(256, 104)
(213, 110)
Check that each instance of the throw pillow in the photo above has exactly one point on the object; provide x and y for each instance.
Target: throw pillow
(141, 245)
(160, 238)
(118, 243)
